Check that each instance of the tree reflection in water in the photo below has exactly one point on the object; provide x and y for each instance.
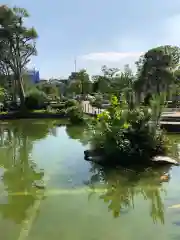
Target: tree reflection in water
(78, 133)
(122, 186)
(20, 172)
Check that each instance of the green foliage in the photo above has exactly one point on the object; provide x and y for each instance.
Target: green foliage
(2, 94)
(51, 90)
(3, 113)
(51, 111)
(70, 103)
(70, 109)
(157, 105)
(121, 133)
(79, 83)
(58, 106)
(75, 114)
(35, 99)
(155, 69)
(17, 45)
(74, 87)
(97, 101)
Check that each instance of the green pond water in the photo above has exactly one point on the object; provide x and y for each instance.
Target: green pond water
(48, 191)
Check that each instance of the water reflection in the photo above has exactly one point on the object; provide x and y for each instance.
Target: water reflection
(124, 186)
(77, 133)
(21, 176)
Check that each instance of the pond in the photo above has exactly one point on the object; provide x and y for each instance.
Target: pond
(48, 191)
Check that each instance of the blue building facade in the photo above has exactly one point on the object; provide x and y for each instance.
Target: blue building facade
(34, 75)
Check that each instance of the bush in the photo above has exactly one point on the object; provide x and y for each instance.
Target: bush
(97, 101)
(63, 112)
(58, 106)
(71, 103)
(121, 134)
(64, 99)
(75, 114)
(2, 94)
(36, 99)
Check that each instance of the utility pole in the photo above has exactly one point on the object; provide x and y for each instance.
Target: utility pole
(75, 65)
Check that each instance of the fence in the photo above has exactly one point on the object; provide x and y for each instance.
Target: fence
(88, 109)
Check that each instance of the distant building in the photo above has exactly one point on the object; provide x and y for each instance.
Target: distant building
(73, 76)
(33, 75)
(60, 83)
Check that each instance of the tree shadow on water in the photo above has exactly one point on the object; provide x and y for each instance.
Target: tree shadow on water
(21, 176)
(122, 186)
(77, 133)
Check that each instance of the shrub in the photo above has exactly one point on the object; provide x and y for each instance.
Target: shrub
(75, 114)
(63, 112)
(97, 101)
(70, 103)
(121, 134)
(2, 94)
(58, 106)
(64, 99)
(36, 99)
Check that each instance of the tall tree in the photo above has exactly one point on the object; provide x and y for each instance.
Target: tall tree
(17, 43)
(109, 72)
(82, 82)
(123, 82)
(155, 69)
(74, 87)
(102, 83)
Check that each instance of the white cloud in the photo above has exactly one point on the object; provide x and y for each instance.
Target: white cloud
(94, 61)
(130, 47)
(109, 56)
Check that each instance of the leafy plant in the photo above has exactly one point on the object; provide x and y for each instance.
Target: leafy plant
(2, 94)
(97, 101)
(35, 99)
(70, 103)
(121, 133)
(58, 106)
(75, 114)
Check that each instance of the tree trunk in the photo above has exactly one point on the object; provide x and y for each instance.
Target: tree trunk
(21, 91)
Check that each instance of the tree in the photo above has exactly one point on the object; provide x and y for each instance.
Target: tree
(102, 83)
(109, 72)
(123, 82)
(17, 44)
(82, 79)
(50, 89)
(155, 69)
(74, 87)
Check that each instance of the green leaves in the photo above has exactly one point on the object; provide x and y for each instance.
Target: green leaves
(2, 94)
(155, 70)
(17, 44)
(114, 101)
(79, 83)
(123, 133)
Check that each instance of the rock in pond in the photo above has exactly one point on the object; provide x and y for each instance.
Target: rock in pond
(95, 156)
(92, 155)
(165, 160)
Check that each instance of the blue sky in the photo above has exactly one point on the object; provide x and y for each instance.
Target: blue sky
(98, 32)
